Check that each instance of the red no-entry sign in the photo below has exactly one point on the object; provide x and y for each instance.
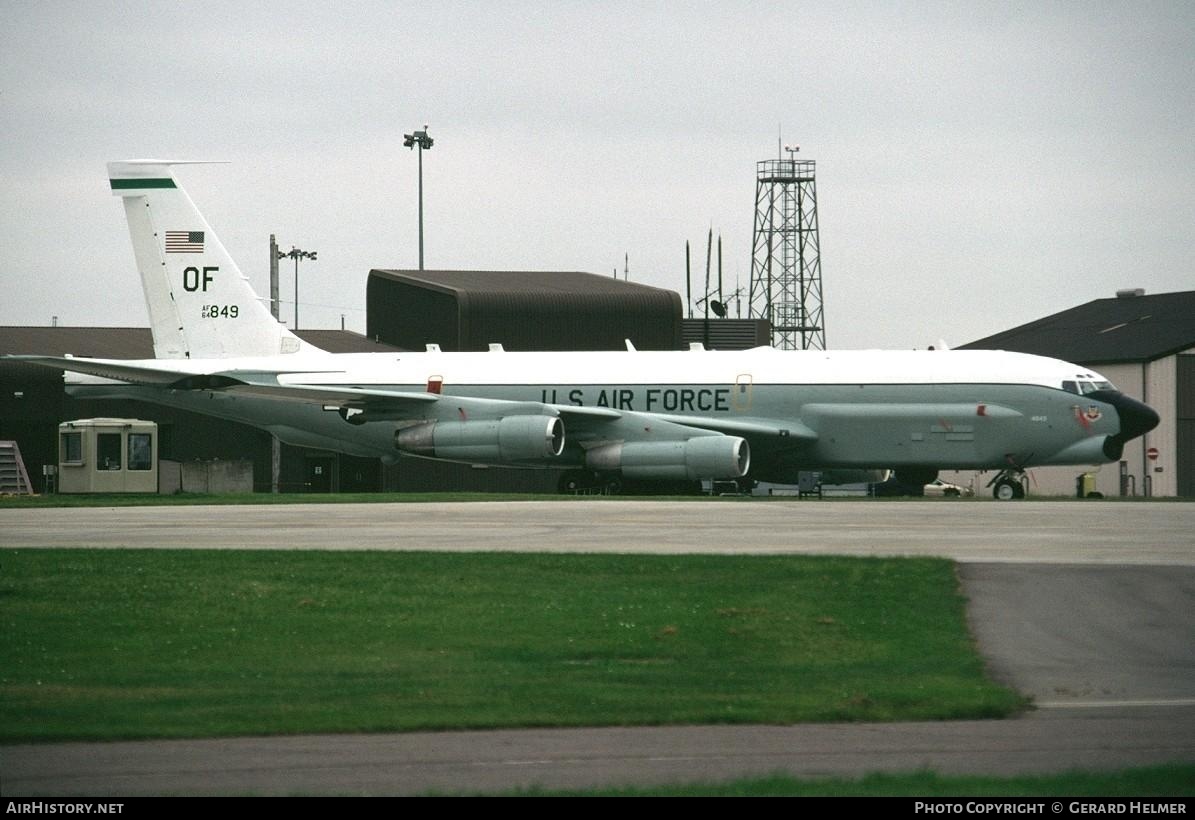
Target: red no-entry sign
(1152, 453)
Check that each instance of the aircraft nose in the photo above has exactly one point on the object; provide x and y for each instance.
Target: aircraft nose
(1136, 419)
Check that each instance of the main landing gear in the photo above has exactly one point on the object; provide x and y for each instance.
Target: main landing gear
(587, 482)
(1008, 485)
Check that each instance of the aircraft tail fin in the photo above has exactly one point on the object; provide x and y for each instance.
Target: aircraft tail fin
(200, 304)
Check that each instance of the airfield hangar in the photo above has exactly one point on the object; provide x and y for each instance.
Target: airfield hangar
(521, 310)
(1145, 344)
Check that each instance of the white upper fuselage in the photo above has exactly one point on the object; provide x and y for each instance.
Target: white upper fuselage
(762, 366)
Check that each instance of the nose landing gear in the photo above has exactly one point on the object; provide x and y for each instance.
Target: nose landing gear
(1008, 485)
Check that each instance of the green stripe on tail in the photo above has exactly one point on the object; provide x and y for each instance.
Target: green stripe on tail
(127, 184)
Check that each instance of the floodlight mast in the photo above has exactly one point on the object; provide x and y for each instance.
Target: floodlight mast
(297, 254)
(421, 140)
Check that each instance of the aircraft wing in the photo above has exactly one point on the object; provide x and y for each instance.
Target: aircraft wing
(587, 426)
(583, 422)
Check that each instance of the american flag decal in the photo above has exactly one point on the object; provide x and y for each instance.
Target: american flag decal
(184, 241)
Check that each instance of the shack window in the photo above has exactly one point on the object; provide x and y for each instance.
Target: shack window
(107, 451)
(72, 448)
(140, 451)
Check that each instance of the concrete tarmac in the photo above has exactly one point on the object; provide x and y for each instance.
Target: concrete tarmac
(1075, 636)
(986, 531)
(489, 762)
(1088, 607)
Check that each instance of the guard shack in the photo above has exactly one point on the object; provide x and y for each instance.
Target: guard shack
(108, 456)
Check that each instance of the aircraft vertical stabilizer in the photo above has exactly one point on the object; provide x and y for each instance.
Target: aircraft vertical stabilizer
(200, 304)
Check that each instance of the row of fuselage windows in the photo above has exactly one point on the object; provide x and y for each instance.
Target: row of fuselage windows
(109, 450)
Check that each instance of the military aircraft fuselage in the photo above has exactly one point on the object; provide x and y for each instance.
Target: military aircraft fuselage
(798, 410)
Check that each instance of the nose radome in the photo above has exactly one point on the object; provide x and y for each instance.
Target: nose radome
(1136, 419)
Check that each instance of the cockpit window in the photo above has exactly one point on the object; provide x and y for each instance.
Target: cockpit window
(1084, 386)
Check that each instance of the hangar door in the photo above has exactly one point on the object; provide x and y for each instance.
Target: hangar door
(1185, 458)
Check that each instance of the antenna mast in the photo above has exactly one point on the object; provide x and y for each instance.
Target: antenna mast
(786, 275)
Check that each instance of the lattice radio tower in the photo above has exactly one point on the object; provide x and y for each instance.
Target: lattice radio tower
(786, 269)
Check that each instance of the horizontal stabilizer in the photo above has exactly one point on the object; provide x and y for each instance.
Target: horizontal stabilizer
(106, 368)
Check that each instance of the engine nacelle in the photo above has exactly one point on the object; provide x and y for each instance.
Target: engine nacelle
(716, 457)
(513, 439)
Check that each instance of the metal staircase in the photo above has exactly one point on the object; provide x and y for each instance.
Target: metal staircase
(14, 480)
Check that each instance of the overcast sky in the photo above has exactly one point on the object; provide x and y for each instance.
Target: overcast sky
(979, 165)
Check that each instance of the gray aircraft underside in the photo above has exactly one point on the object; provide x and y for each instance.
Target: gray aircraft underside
(801, 427)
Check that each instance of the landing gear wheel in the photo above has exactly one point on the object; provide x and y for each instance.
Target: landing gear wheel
(1006, 490)
(1008, 484)
(576, 481)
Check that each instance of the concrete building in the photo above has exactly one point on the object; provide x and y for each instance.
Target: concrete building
(1145, 344)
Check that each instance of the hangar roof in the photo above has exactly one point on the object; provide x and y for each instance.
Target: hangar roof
(1137, 328)
(92, 342)
(343, 341)
(534, 283)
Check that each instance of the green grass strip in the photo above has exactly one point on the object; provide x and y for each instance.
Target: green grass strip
(104, 644)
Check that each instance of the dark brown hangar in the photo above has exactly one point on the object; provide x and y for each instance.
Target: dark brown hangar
(521, 310)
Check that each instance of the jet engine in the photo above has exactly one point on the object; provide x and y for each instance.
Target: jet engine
(513, 439)
(716, 457)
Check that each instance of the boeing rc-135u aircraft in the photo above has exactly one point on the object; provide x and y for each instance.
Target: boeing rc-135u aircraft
(761, 414)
